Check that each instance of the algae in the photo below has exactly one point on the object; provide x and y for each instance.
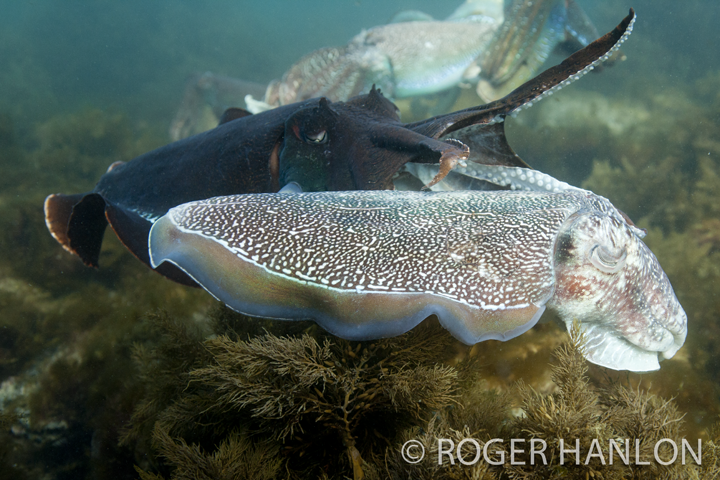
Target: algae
(67, 330)
(308, 405)
(328, 402)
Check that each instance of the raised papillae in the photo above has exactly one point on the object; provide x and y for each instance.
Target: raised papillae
(319, 145)
(366, 265)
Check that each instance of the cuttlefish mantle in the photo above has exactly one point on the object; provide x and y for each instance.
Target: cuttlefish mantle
(371, 264)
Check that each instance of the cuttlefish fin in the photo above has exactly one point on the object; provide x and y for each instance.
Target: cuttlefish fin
(233, 113)
(542, 85)
(579, 29)
(245, 282)
(404, 16)
(133, 231)
(77, 222)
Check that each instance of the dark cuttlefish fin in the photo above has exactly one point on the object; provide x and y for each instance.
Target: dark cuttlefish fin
(233, 113)
(78, 223)
(133, 231)
(549, 80)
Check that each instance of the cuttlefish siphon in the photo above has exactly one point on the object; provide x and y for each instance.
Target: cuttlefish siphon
(371, 264)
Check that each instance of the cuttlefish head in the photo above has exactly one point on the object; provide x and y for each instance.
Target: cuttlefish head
(305, 156)
(355, 145)
(611, 283)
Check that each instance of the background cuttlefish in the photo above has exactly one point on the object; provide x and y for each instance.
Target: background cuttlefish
(356, 145)
(366, 265)
(495, 44)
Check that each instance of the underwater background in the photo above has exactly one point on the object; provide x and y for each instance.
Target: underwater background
(105, 370)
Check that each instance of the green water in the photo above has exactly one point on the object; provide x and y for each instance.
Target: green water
(85, 84)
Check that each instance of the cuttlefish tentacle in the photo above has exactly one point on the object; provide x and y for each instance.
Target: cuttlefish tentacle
(512, 53)
(513, 177)
(516, 178)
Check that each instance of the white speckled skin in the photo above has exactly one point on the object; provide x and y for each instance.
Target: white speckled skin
(630, 316)
(373, 264)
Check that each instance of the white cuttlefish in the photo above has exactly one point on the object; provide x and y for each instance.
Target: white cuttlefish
(372, 264)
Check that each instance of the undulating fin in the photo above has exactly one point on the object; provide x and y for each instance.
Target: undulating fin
(421, 255)
(58, 208)
(579, 29)
(542, 85)
(411, 16)
(233, 113)
(86, 227)
(133, 231)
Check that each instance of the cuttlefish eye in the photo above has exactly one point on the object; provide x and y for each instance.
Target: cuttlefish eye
(319, 137)
(606, 260)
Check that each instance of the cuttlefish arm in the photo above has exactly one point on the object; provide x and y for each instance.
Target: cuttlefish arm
(395, 146)
(523, 42)
(477, 177)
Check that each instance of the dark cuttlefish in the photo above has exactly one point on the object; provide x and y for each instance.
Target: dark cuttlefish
(356, 145)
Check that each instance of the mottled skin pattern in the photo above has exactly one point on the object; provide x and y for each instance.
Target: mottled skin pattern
(621, 281)
(422, 57)
(372, 264)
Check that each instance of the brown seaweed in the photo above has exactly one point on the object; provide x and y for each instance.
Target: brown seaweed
(323, 406)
